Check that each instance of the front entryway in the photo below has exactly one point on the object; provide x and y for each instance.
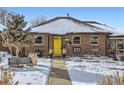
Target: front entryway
(57, 45)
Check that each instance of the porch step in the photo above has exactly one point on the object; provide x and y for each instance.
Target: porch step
(57, 57)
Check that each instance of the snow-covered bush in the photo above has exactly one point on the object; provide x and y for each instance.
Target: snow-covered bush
(34, 58)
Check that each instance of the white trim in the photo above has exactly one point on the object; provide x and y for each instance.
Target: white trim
(94, 36)
(39, 36)
(74, 37)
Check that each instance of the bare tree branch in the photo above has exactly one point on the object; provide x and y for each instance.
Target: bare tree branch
(38, 21)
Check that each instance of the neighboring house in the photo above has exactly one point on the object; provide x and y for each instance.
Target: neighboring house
(75, 36)
(116, 44)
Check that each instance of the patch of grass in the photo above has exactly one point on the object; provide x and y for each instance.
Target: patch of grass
(7, 78)
(111, 79)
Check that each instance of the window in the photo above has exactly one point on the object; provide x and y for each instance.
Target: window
(38, 40)
(77, 50)
(94, 39)
(76, 40)
(120, 44)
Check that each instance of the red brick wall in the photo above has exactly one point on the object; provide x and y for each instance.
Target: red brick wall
(43, 47)
(86, 47)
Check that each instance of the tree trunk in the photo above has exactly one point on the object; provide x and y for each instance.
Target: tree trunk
(10, 49)
(17, 51)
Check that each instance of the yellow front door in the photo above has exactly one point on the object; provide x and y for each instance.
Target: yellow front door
(57, 45)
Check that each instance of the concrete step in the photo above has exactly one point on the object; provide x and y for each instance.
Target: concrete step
(57, 57)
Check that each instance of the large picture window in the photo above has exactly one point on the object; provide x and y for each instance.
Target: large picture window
(39, 40)
(76, 40)
(94, 39)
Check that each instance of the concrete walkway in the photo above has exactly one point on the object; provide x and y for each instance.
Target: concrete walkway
(59, 74)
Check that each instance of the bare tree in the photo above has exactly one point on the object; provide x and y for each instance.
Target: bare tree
(38, 21)
(14, 35)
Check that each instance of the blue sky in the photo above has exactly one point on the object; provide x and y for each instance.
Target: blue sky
(112, 16)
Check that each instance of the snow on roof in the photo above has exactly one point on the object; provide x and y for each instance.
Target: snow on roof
(64, 25)
(114, 31)
(102, 26)
(118, 33)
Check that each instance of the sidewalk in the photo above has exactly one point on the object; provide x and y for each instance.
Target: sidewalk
(59, 74)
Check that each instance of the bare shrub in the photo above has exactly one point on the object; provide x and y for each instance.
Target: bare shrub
(116, 79)
(7, 78)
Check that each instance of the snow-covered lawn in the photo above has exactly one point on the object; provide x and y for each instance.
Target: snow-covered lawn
(36, 75)
(82, 70)
(88, 71)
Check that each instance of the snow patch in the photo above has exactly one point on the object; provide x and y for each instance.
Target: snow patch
(36, 75)
(88, 71)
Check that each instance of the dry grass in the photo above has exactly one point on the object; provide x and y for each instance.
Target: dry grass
(7, 78)
(111, 80)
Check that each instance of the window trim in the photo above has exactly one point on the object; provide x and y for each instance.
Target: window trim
(36, 37)
(77, 47)
(94, 36)
(73, 40)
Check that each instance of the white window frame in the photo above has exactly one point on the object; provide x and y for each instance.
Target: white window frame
(91, 39)
(73, 40)
(36, 37)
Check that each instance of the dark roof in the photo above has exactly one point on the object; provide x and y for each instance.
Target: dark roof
(117, 36)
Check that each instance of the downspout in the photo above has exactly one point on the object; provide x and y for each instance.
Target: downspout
(48, 46)
(116, 44)
(106, 43)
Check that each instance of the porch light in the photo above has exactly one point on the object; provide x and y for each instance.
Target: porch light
(68, 42)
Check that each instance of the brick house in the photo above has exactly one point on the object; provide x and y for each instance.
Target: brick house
(75, 36)
(116, 44)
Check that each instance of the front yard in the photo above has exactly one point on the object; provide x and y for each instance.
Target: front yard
(36, 75)
(82, 70)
